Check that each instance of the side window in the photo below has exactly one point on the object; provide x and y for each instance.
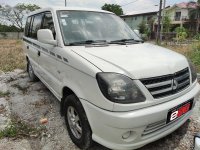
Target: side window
(37, 21)
(48, 23)
(27, 26)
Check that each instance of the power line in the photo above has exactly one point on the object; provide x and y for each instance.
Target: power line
(129, 3)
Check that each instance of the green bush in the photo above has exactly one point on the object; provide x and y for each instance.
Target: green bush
(197, 36)
(143, 27)
(181, 33)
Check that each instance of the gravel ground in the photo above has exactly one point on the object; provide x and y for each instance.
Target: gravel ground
(33, 101)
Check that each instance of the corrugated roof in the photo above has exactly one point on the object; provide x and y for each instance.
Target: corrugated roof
(187, 5)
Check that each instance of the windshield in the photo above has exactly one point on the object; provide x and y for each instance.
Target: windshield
(79, 26)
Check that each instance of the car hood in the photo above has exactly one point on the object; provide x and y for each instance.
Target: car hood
(136, 61)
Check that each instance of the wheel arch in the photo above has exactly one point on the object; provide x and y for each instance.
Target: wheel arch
(65, 92)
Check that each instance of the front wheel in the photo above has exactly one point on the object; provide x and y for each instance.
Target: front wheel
(77, 124)
(31, 73)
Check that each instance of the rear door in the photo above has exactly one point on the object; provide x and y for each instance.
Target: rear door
(32, 46)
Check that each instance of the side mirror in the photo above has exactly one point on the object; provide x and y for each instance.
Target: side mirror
(138, 33)
(46, 36)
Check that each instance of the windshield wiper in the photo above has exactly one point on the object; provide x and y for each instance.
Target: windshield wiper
(93, 42)
(124, 41)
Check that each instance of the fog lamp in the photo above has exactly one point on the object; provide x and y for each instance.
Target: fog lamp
(126, 135)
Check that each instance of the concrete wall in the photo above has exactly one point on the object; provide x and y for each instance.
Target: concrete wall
(172, 12)
(11, 35)
(133, 22)
(185, 13)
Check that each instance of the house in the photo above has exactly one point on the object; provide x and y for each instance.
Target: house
(182, 15)
(133, 19)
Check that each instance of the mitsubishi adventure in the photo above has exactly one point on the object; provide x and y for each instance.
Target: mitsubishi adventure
(113, 88)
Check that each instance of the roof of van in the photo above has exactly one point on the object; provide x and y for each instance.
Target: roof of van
(67, 8)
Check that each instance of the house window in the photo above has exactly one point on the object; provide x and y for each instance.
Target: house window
(177, 16)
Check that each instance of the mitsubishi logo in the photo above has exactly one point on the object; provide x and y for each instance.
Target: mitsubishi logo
(174, 84)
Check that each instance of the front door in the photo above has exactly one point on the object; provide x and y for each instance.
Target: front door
(48, 66)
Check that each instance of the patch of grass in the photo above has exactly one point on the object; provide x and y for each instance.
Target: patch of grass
(4, 94)
(11, 55)
(9, 131)
(191, 51)
(194, 55)
(20, 129)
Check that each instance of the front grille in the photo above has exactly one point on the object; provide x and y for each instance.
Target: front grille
(163, 86)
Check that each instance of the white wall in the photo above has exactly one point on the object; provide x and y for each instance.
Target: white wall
(11, 35)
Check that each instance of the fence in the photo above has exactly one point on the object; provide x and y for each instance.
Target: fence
(11, 35)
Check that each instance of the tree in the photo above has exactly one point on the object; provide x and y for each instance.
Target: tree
(143, 27)
(16, 15)
(113, 8)
(11, 28)
(144, 30)
(195, 14)
(166, 23)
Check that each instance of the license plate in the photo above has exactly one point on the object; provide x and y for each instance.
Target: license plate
(179, 110)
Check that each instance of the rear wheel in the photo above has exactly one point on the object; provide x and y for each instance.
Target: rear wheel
(31, 73)
(77, 124)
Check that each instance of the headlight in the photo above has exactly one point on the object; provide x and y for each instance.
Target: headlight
(193, 71)
(119, 88)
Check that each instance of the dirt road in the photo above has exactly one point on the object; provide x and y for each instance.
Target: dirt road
(31, 102)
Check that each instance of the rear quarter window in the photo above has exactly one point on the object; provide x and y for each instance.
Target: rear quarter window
(27, 26)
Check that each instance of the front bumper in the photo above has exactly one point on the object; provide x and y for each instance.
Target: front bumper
(127, 130)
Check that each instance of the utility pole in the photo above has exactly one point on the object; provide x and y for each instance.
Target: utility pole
(163, 16)
(159, 22)
(65, 3)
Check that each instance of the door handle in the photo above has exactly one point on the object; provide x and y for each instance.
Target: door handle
(38, 53)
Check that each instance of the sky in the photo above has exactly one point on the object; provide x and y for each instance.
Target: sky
(127, 5)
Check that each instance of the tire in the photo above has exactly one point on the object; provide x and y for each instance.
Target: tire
(80, 123)
(31, 73)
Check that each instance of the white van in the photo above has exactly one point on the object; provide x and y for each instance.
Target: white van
(114, 88)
